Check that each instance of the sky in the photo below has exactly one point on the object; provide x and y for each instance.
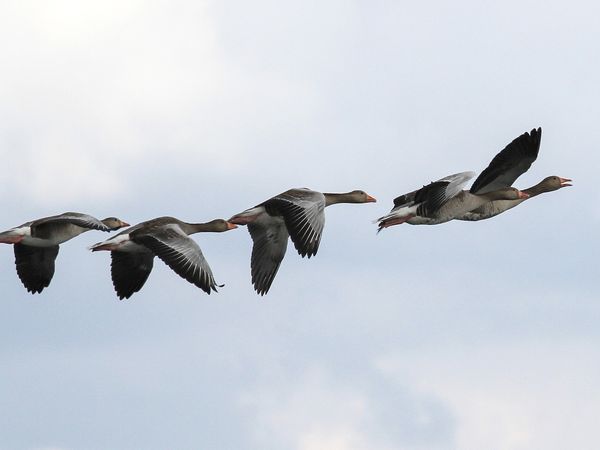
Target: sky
(455, 336)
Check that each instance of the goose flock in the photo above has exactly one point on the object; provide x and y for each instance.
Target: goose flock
(297, 214)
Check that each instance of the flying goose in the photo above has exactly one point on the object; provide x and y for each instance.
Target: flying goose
(508, 165)
(296, 213)
(442, 201)
(36, 243)
(133, 251)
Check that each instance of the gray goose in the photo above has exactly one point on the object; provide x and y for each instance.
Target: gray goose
(296, 213)
(508, 165)
(36, 244)
(133, 251)
(442, 201)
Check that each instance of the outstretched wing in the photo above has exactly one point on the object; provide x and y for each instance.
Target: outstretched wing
(82, 220)
(303, 213)
(405, 199)
(432, 196)
(269, 236)
(510, 163)
(49, 226)
(129, 271)
(424, 202)
(180, 253)
(35, 266)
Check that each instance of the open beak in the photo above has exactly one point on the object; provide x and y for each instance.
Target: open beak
(231, 226)
(564, 182)
(371, 199)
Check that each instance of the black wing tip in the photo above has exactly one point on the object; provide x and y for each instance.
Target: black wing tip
(532, 139)
(308, 250)
(524, 147)
(124, 295)
(262, 281)
(536, 136)
(35, 290)
(207, 289)
(263, 285)
(35, 286)
(261, 290)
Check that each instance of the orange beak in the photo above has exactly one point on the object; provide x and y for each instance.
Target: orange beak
(523, 195)
(564, 182)
(231, 226)
(371, 199)
(124, 224)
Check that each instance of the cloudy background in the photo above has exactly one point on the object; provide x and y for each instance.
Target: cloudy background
(458, 336)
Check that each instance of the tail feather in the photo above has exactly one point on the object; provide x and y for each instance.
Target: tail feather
(97, 246)
(391, 219)
(11, 237)
(397, 216)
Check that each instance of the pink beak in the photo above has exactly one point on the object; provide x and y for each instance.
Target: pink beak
(564, 182)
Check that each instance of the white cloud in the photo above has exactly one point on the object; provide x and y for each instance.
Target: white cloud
(313, 413)
(93, 94)
(515, 397)
(313, 408)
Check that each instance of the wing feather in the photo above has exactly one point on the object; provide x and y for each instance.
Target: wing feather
(303, 213)
(35, 266)
(508, 165)
(181, 253)
(269, 236)
(129, 271)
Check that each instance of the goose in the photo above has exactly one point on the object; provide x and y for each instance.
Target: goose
(133, 251)
(36, 244)
(508, 165)
(296, 213)
(442, 201)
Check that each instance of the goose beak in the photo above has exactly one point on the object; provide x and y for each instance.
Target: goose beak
(371, 199)
(523, 195)
(124, 224)
(231, 226)
(564, 182)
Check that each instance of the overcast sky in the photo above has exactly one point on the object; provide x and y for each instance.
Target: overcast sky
(457, 336)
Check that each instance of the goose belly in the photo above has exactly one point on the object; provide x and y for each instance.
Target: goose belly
(119, 243)
(419, 220)
(458, 206)
(52, 236)
(129, 246)
(39, 242)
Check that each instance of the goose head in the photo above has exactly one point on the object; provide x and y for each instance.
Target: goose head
(113, 223)
(219, 225)
(348, 197)
(553, 183)
(361, 197)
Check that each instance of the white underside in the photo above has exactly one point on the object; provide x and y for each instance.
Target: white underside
(25, 233)
(120, 243)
